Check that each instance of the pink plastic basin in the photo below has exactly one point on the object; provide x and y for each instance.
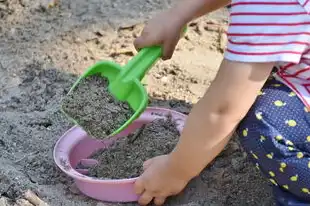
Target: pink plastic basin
(75, 147)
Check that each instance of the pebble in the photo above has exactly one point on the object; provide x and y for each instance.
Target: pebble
(23, 202)
(3, 7)
(4, 201)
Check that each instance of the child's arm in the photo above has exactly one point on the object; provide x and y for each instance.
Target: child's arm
(189, 10)
(207, 130)
(216, 115)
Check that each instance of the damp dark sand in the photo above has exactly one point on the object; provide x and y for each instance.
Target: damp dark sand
(126, 156)
(94, 107)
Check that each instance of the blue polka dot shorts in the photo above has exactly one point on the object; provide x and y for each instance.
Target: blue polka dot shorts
(276, 135)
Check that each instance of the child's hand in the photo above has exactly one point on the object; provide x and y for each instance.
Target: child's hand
(163, 30)
(159, 181)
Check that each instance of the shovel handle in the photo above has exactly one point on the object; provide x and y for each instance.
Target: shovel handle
(143, 61)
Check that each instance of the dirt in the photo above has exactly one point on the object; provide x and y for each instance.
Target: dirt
(125, 158)
(44, 46)
(95, 109)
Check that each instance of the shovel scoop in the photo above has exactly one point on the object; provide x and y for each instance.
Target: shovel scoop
(125, 81)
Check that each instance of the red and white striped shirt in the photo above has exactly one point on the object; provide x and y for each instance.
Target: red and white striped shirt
(273, 31)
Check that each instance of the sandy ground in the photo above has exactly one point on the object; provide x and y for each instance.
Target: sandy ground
(42, 50)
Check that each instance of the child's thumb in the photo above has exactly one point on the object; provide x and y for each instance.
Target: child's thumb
(139, 43)
(145, 40)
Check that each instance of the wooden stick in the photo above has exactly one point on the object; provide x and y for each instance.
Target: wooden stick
(34, 199)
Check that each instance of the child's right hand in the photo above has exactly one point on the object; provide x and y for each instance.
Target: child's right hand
(163, 30)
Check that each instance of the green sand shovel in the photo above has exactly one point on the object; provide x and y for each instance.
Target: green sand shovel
(125, 82)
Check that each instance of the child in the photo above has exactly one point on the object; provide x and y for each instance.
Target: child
(274, 127)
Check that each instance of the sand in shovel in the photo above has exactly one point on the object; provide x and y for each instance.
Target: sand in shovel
(94, 107)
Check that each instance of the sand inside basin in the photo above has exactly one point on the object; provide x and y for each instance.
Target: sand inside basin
(124, 159)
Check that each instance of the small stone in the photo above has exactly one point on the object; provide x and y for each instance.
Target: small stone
(3, 7)
(23, 202)
(4, 201)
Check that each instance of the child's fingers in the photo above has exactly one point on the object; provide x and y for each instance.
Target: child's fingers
(159, 200)
(145, 198)
(146, 39)
(138, 43)
(168, 49)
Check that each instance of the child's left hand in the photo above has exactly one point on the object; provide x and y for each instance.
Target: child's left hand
(159, 181)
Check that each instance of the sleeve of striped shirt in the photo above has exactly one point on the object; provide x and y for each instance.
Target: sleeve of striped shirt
(267, 31)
